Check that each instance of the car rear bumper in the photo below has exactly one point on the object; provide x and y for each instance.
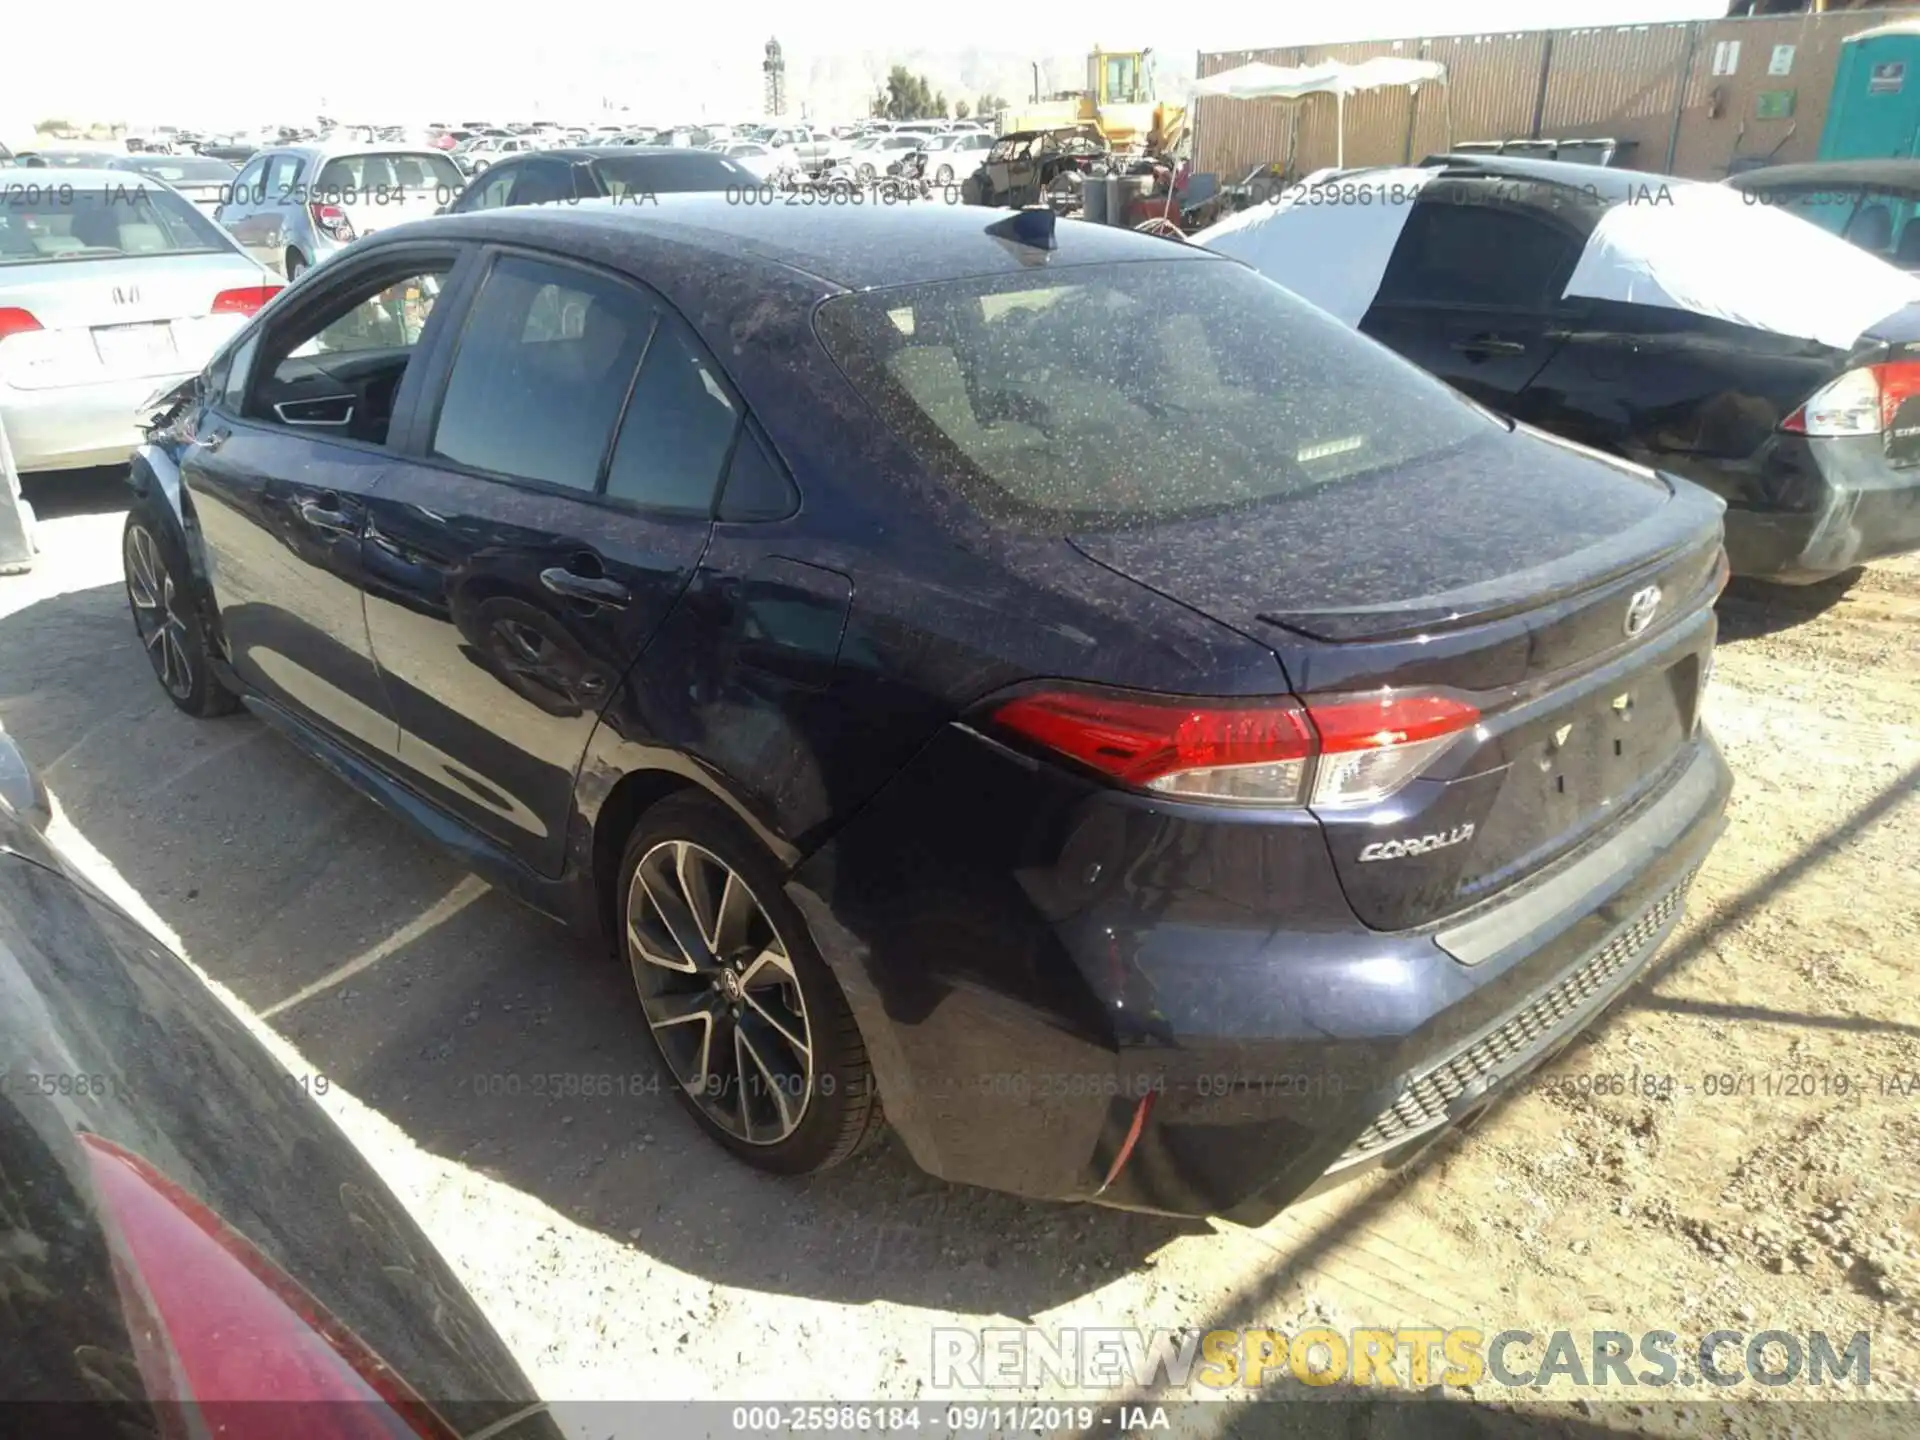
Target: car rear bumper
(75, 426)
(1029, 959)
(1851, 507)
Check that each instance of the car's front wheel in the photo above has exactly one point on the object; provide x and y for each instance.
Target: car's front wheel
(294, 264)
(749, 1021)
(166, 619)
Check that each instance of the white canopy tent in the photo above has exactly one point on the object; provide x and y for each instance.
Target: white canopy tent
(1259, 81)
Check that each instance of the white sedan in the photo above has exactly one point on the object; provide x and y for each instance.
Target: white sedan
(765, 161)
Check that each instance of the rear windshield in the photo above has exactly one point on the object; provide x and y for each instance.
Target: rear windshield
(75, 159)
(351, 177)
(65, 222)
(1116, 395)
(671, 174)
(187, 170)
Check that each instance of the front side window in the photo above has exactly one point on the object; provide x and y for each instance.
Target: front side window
(338, 370)
(250, 183)
(1106, 396)
(283, 173)
(542, 372)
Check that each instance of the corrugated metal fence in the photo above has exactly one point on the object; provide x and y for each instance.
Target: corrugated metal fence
(1688, 102)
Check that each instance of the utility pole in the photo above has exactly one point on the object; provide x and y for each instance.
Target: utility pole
(774, 68)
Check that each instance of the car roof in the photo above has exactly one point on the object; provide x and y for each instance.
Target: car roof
(77, 176)
(1895, 174)
(852, 246)
(1609, 184)
(312, 150)
(627, 152)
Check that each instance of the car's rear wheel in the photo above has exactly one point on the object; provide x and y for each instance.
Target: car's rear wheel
(295, 263)
(744, 1013)
(166, 619)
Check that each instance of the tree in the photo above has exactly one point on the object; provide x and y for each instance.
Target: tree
(961, 110)
(908, 97)
(990, 105)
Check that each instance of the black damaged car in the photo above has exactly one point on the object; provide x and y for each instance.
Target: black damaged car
(1687, 326)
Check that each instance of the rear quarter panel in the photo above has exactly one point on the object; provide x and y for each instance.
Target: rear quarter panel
(1697, 396)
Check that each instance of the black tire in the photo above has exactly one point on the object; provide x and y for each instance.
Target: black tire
(944, 175)
(167, 616)
(295, 264)
(841, 1115)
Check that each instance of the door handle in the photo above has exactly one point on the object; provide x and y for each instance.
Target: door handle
(593, 589)
(1490, 345)
(214, 439)
(327, 514)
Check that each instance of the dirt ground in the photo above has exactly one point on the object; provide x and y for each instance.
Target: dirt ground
(1772, 1181)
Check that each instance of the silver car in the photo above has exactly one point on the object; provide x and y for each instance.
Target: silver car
(111, 285)
(295, 205)
(207, 183)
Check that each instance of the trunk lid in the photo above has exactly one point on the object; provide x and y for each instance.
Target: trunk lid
(121, 318)
(1468, 535)
(1502, 573)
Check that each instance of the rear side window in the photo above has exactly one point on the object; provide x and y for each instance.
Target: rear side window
(542, 372)
(679, 428)
(1478, 254)
(637, 175)
(141, 217)
(757, 488)
(543, 182)
(1113, 395)
(491, 193)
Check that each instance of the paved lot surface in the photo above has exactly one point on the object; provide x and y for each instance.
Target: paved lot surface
(622, 1255)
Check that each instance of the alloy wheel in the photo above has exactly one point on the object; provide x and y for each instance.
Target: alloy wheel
(162, 632)
(720, 992)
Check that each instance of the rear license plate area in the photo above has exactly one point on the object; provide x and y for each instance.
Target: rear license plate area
(1601, 751)
(136, 349)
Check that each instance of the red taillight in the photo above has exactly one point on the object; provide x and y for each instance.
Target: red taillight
(1860, 402)
(331, 219)
(1274, 752)
(244, 302)
(221, 1327)
(15, 321)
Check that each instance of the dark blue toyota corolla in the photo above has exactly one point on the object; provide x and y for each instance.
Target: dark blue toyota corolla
(1165, 747)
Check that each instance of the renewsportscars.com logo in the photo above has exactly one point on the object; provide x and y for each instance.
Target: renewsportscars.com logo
(1034, 1360)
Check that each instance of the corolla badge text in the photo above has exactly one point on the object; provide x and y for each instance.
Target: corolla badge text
(1417, 845)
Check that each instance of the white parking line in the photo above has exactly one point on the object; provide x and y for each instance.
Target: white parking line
(449, 905)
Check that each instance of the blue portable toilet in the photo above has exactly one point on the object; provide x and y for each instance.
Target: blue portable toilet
(1874, 110)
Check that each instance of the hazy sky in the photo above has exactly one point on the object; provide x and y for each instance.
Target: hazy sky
(406, 61)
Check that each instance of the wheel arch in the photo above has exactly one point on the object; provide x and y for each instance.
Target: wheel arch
(639, 783)
(159, 492)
